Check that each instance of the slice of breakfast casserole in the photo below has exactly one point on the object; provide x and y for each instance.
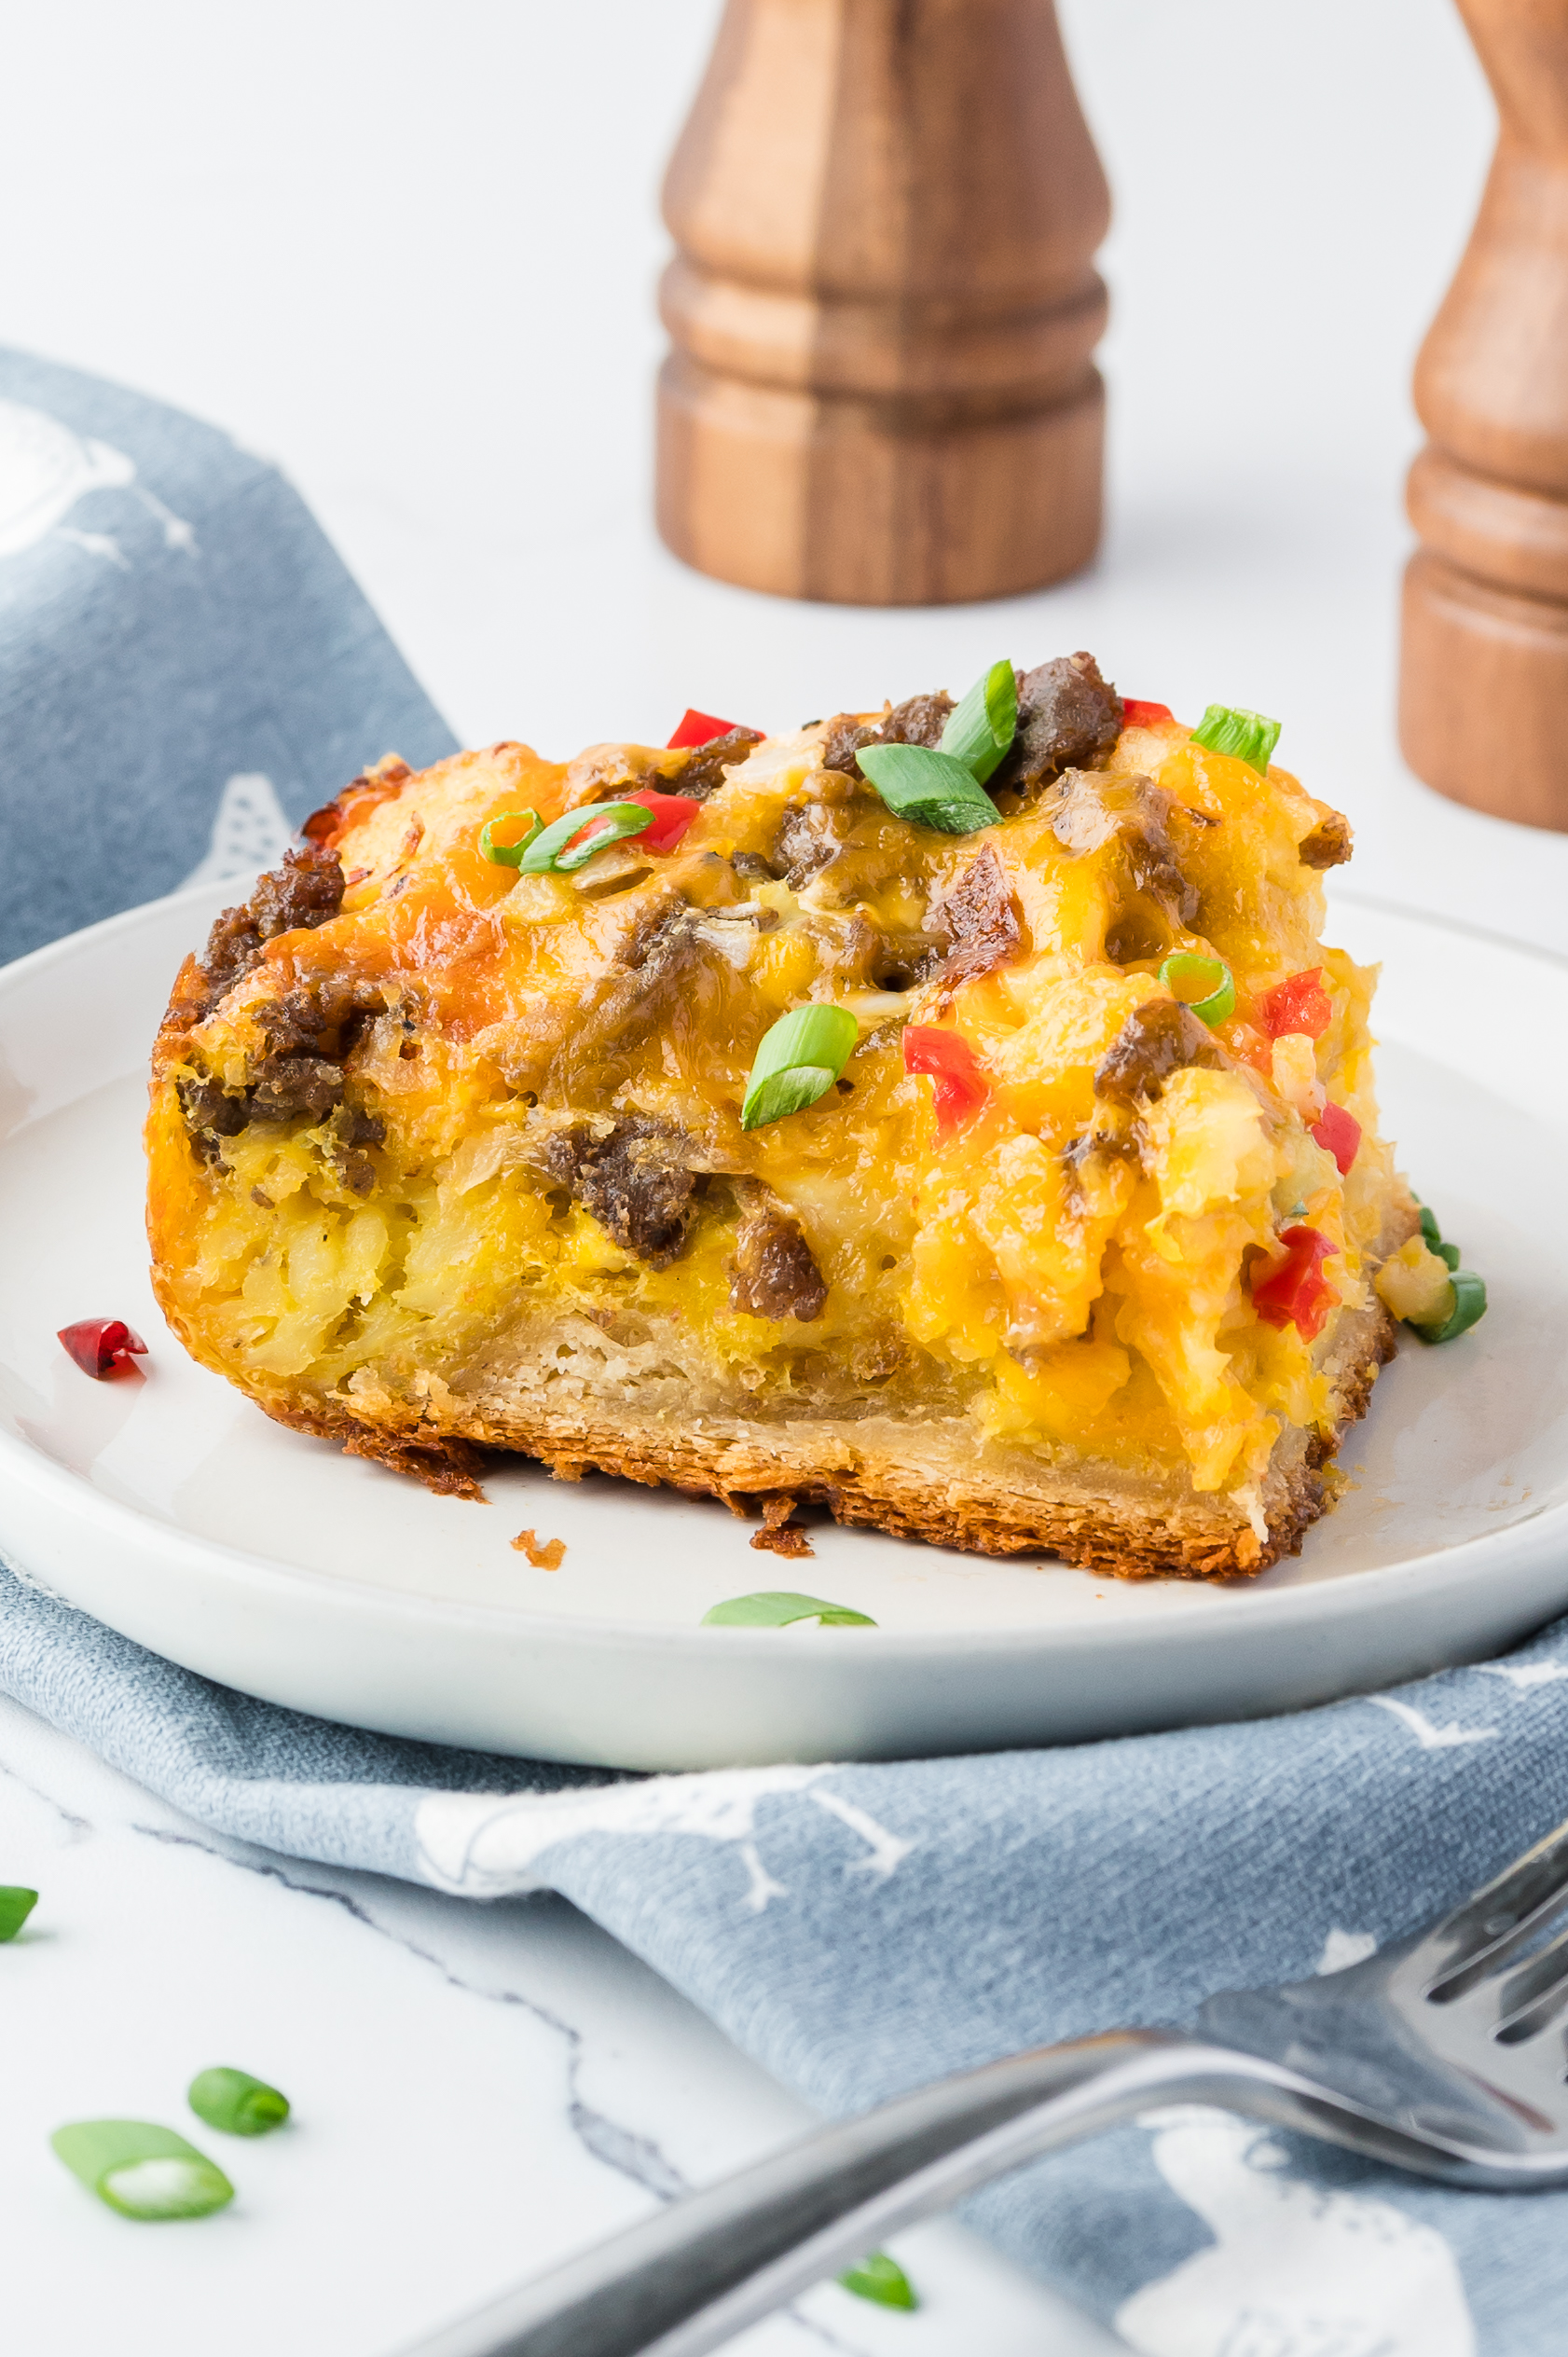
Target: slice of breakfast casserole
(948, 1113)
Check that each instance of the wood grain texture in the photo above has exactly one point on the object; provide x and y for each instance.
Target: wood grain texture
(883, 309)
(1483, 704)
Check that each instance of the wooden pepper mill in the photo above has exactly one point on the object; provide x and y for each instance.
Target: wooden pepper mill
(884, 309)
(1483, 704)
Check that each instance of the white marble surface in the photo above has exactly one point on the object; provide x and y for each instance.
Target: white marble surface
(409, 251)
(477, 2090)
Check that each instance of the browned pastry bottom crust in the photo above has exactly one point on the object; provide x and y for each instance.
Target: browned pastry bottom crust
(933, 1481)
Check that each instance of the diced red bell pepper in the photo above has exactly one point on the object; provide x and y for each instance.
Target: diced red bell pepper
(1139, 715)
(102, 1346)
(1296, 1293)
(700, 728)
(673, 814)
(958, 1086)
(1339, 1134)
(1300, 1003)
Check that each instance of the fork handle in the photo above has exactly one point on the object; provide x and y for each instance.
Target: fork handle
(686, 2280)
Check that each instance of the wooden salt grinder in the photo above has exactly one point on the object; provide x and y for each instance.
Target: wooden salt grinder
(1484, 700)
(883, 307)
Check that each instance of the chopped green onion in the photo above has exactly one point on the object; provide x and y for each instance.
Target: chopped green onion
(798, 1061)
(609, 820)
(1434, 1240)
(16, 1904)
(933, 789)
(1469, 1305)
(141, 2169)
(1231, 728)
(235, 2102)
(882, 2280)
(980, 728)
(776, 1608)
(510, 854)
(1203, 984)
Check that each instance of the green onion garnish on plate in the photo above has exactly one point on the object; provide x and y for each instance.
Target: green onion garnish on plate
(510, 854)
(798, 1061)
(16, 1904)
(1203, 984)
(983, 724)
(1231, 728)
(1469, 1306)
(141, 2169)
(1432, 1235)
(235, 2102)
(934, 788)
(882, 2280)
(776, 1609)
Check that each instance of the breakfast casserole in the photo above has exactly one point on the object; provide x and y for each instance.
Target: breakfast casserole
(948, 1114)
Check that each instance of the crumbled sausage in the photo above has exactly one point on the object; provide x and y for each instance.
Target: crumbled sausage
(1159, 1037)
(306, 890)
(1090, 810)
(288, 1084)
(704, 772)
(773, 1274)
(919, 720)
(635, 1183)
(208, 1106)
(752, 868)
(1068, 717)
(980, 917)
(1329, 844)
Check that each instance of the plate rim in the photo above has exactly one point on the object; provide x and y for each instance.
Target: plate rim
(1235, 1605)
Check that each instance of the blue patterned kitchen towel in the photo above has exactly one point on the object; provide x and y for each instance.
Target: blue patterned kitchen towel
(183, 658)
(860, 1929)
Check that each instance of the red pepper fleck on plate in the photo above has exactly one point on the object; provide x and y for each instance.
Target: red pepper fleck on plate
(1296, 1293)
(700, 728)
(102, 1346)
(1300, 1003)
(1136, 714)
(1339, 1134)
(948, 1062)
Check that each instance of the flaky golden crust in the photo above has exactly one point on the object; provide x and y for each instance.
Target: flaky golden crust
(911, 1481)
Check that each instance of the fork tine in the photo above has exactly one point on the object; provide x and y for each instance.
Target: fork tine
(1531, 1997)
(1478, 1936)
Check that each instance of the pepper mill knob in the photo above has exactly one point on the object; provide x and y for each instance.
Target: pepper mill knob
(1483, 701)
(883, 308)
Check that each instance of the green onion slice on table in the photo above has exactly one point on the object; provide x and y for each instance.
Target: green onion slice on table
(510, 854)
(882, 2280)
(608, 821)
(141, 2169)
(17, 1903)
(235, 2102)
(983, 726)
(797, 1061)
(1205, 984)
(1432, 1235)
(934, 788)
(1231, 728)
(776, 1609)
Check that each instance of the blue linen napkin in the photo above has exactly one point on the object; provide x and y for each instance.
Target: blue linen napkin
(186, 667)
(184, 660)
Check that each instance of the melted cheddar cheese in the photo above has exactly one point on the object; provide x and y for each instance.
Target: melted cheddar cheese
(1068, 1268)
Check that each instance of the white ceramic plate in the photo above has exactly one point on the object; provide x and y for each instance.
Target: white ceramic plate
(174, 1511)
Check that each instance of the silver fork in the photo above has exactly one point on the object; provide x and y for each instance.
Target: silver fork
(1436, 2055)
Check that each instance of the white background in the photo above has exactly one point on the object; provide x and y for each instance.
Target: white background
(410, 251)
